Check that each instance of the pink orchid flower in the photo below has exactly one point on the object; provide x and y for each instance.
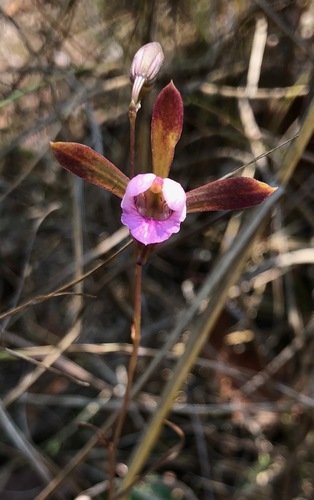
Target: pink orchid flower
(153, 206)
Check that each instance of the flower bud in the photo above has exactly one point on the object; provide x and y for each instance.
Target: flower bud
(144, 69)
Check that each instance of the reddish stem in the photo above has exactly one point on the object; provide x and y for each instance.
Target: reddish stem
(132, 120)
(136, 338)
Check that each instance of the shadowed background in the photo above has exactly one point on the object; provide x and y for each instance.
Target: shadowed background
(244, 72)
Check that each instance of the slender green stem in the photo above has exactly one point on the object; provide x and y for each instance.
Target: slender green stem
(136, 338)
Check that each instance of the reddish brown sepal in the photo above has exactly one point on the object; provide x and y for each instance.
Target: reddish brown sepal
(228, 194)
(90, 166)
(166, 128)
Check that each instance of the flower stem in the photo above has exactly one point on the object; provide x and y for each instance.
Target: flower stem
(132, 120)
(136, 338)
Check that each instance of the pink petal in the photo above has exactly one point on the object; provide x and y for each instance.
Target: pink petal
(175, 196)
(139, 184)
(149, 231)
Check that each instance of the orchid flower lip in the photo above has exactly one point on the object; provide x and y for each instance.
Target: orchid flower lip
(153, 215)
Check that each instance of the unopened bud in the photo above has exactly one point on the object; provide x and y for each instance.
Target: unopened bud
(144, 69)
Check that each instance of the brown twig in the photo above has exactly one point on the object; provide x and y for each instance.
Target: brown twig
(43, 298)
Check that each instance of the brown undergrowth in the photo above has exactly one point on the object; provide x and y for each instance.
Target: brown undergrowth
(245, 408)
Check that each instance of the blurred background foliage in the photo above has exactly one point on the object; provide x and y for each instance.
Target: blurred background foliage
(246, 410)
